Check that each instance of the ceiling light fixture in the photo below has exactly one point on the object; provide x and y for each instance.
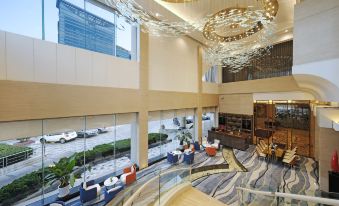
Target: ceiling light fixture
(234, 49)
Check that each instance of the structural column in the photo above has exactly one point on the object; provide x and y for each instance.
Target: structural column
(142, 118)
(198, 116)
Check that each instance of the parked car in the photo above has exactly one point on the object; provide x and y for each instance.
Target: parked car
(102, 130)
(61, 137)
(205, 117)
(88, 133)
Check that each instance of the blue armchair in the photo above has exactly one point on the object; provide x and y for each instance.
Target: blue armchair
(172, 158)
(89, 191)
(189, 157)
(111, 193)
(196, 146)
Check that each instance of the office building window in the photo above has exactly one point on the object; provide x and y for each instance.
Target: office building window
(83, 24)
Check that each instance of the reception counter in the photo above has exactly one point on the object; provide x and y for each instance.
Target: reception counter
(235, 141)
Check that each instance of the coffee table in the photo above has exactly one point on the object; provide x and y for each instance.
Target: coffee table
(110, 182)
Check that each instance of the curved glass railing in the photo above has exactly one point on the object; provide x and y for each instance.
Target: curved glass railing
(269, 196)
(153, 188)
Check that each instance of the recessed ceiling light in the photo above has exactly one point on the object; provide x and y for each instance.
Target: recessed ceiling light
(157, 14)
(286, 30)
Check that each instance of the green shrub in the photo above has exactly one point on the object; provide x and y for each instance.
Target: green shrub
(156, 137)
(8, 150)
(20, 188)
(122, 145)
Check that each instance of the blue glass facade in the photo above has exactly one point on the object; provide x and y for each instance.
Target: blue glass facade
(123, 53)
(79, 28)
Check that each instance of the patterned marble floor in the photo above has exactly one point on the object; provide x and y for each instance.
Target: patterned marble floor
(260, 175)
(245, 170)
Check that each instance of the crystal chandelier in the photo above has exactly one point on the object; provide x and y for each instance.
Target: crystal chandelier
(234, 35)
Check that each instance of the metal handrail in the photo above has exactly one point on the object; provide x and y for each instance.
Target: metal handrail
(320, 200)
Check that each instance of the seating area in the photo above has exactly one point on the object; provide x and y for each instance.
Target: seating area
(92, 193)
(272, 151)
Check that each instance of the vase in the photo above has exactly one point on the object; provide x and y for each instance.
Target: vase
(63, 191)
(334, 162)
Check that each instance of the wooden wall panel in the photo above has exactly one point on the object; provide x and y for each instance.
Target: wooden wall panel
(24, 100)
(236, 104)
(27, 100)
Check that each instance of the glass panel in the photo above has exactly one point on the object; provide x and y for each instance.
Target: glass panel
(168, 131)
(62, 143)
(88, 27)
(208, 121)
(22, 17)
(124, 38)
(125, 131)
(20, 162)
(99, 138)
(154, 145)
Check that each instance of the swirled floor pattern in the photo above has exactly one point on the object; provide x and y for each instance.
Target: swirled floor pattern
(260, 175)
(245, 169)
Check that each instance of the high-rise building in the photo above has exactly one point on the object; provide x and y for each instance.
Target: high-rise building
(82, 29)
(123, 53)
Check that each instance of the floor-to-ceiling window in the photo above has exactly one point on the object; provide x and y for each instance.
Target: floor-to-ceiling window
(164, 128)
(20, 161)
(32, 153)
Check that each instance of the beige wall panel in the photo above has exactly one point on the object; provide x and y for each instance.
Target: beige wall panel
(328, 142)
(2, 55)
(99, 69)
(20, 129)
(66, 70)
(210, 88)
(122, 73)
(236, 104)
(45, 69)
(23, 100)
(19, 57)
(278, 84)
(173, 64)
(209, 100)
(83, 66)
(324, 17)
(160, 100)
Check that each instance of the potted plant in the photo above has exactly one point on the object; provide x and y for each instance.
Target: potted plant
(185, 137)
(62, 172)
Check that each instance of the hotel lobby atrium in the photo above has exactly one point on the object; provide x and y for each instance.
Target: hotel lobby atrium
(169, 102)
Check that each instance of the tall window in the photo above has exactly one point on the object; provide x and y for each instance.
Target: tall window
(84, 24)
(32, 152)
(164, 128)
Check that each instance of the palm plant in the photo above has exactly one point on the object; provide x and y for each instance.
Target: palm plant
(62, 172)
(184, 136)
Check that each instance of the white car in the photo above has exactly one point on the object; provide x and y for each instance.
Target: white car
(61, 137)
